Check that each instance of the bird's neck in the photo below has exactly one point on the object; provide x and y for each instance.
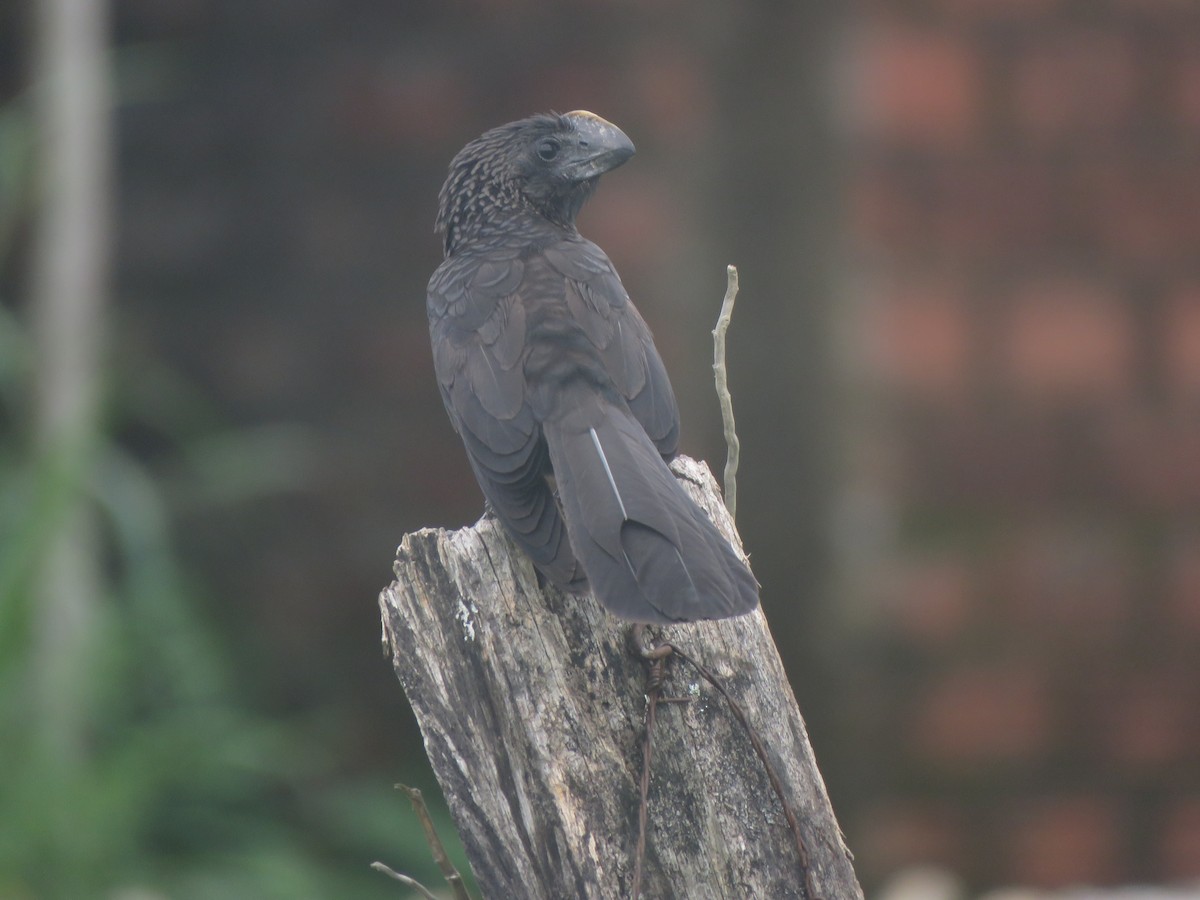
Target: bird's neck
(517, 228)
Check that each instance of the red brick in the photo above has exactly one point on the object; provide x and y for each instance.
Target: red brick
(930, 601)
(1181, 343)
(1064, 841)
(1068, 339)
(977, 717)
(1180, 841)
(919, 338)
(916, 85)
(1076, 86)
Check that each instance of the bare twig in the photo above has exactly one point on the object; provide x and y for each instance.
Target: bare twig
(733, 447)
(435, 846)
(453, 878)
(405, 880)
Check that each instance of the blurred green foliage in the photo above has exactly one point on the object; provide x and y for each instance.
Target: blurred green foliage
(180, 788)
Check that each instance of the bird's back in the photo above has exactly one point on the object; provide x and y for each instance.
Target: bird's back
(552, 379)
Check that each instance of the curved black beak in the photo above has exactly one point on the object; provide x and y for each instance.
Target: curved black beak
(599, 146)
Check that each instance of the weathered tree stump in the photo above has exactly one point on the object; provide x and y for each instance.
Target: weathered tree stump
(532, 708)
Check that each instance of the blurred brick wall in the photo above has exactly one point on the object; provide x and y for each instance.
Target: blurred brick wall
(1019, 533)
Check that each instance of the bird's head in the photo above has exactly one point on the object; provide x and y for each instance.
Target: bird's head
(546, 164)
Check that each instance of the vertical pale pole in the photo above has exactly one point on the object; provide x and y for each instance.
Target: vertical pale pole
(69, 286)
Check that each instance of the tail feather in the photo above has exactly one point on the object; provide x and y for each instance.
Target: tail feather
(650, 553)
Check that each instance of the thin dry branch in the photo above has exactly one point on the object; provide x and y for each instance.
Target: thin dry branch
(405, 880)
(451, 874)
(733, 446)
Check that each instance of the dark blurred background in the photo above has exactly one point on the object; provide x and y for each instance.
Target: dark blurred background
(965, 363)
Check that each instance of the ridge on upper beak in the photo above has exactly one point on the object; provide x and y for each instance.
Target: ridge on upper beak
(599, 146)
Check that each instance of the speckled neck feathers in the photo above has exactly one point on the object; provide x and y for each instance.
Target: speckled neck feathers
(497, 179)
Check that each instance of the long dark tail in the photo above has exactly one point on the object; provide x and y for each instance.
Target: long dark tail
(650, 553)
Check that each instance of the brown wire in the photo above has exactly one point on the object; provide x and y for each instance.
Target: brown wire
(776, 784)
(654, 680)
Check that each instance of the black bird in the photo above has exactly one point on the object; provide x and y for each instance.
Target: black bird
(552, 380)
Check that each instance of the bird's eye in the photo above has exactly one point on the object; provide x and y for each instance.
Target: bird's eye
(547, 150)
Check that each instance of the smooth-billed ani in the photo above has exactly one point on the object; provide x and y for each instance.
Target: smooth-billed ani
(552, 380)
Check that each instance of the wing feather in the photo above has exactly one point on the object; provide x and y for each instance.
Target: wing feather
(598, 301)
(478, 326)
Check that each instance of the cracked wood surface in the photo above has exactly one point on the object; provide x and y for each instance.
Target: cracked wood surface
(532, 707)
